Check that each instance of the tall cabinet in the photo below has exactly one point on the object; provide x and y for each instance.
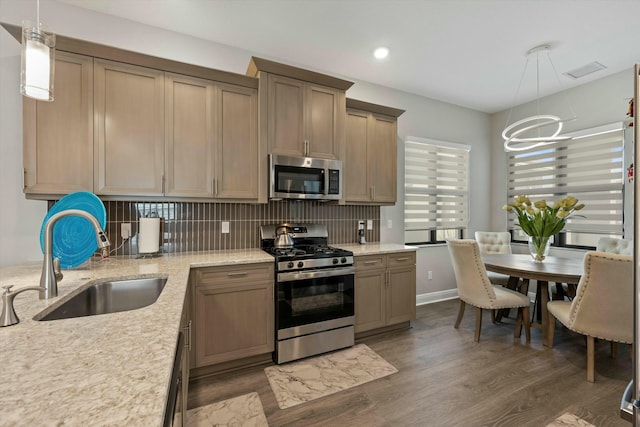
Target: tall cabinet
(370, 171)
(301, 111)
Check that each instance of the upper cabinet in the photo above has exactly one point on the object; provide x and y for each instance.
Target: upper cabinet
(129, 130)
(370, 171)
(58, 136)
(211, 139)
(128, 125)
(301, 112)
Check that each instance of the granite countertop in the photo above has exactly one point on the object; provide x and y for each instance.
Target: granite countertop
(111, 369)
(376, 248)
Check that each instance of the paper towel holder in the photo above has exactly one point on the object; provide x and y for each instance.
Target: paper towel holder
(149, 232)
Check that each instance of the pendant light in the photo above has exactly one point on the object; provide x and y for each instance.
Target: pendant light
(38, 60)
(518, 135)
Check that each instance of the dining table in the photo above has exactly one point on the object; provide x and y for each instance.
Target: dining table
(521, 268)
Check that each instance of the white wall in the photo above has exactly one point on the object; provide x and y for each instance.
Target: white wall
(427, 118)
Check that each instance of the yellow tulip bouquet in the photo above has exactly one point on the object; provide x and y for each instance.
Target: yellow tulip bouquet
(540, 221)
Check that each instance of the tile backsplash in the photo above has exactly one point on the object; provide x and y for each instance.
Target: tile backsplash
(189, 227)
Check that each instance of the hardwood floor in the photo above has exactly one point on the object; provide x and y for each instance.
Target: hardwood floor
(445, 379)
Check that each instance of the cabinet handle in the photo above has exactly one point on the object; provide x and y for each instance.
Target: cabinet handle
(162, 184)
(402, 259)
(24, 178)
(215, 187)
(388, 278)
(239, 274)
(370, 262)
(188, 331)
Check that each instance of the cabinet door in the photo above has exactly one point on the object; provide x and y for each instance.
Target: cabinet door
(323, 121)
(285, 126)
(382, 156)
(189, 134)
(356, 184)
(233, 322)
(236, 143)
(401, 294)
(58, 136)
(129, 129)
(370, 292)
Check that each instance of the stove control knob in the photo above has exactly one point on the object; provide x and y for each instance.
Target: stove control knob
(343, 260)
(300, 264)
(335, 260)
(290, 264)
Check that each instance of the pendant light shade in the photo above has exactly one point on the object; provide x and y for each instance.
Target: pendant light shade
(38, 59)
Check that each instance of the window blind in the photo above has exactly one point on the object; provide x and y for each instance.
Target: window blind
(436, 185)
(588, 167)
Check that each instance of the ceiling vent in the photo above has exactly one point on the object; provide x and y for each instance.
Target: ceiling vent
(591, 67)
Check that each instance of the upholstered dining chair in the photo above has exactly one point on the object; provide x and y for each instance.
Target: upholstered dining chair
(474, 288)
(495, 242)
(615, 246)
(603, 305)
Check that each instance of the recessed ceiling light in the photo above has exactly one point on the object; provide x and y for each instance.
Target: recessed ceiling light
(381, 52)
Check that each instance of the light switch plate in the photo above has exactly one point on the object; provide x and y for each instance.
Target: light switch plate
(389, 223)
(224, 229)
(369, 224)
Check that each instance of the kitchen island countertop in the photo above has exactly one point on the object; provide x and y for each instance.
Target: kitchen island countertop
(111, 369)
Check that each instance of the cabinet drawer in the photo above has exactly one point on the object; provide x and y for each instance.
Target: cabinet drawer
(401, 258)
(234, 274)
(370, 261)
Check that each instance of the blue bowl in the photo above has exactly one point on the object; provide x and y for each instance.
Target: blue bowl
(74, 238)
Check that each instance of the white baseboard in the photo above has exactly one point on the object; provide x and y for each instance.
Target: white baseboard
(438, 296)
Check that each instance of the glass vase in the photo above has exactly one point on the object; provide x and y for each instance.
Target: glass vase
(539, 247)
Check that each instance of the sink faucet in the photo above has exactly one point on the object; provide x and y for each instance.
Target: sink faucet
(49, 278)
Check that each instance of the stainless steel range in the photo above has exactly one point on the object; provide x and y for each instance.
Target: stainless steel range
(314, 292)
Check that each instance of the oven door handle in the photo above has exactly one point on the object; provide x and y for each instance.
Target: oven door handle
(315, 274)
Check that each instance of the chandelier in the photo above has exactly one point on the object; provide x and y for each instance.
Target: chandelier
(527, 133)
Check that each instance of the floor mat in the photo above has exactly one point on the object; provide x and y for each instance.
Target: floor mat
(305, 380)
(245, 410)
(567, 419)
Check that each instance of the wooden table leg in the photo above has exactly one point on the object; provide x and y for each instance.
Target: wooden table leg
(543, 288)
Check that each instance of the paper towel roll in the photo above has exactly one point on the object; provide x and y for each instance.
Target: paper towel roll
(149, 235)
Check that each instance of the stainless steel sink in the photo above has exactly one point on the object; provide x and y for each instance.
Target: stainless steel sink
(109, 297)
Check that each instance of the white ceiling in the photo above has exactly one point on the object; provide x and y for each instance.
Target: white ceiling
(467, 52)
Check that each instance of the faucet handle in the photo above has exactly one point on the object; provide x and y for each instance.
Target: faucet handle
(56, 269)
(7, 289)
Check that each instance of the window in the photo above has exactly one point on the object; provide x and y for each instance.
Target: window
(588, 167)
(436, 190)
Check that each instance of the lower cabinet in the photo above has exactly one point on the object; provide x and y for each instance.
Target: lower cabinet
(233, 312)
(385, 290)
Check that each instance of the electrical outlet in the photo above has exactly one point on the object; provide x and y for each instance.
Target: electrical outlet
(360, 225)
(430, 275)
(389, 223)
(369, 224)
(125, 230)
(224, 229)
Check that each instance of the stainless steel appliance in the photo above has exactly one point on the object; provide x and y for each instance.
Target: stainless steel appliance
(314, 292)
(304, 178)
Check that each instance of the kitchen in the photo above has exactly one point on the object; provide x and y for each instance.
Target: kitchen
(423, 116)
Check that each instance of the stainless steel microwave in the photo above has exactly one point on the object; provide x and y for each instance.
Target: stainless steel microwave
(304, 178)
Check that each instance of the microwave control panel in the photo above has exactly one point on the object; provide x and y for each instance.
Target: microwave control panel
(334, 181)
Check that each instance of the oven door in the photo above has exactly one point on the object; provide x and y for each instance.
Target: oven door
(314, 296)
